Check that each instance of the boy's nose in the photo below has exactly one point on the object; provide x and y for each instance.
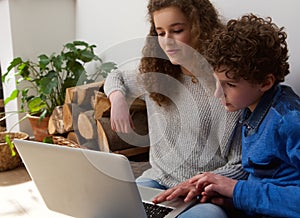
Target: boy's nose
(219, 93)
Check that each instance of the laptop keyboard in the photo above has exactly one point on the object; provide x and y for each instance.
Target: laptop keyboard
(156, 211)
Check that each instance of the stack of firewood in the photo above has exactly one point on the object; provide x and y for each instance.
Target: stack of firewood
(85, 120)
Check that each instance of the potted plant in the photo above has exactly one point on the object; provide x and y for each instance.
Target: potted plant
(41, 85)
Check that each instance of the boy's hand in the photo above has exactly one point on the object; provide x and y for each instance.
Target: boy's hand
(212, 185)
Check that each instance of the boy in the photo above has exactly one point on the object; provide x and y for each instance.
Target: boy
(250, 60)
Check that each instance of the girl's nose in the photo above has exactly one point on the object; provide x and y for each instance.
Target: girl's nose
(169, 39)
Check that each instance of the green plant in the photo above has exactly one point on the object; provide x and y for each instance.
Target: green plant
(42, 85)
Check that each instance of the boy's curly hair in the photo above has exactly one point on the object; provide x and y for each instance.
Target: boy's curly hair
(204, 21)
(250, 48)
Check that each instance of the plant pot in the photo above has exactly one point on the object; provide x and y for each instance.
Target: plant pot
(7, 161)
(39, 127)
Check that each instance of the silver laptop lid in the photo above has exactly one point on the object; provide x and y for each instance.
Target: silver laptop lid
(81, 182)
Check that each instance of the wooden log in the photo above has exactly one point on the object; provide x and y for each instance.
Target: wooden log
(70, 116)
(82, 95)
(85, 92)
(138, 105)
(101, 105)
(56, 123)
(110, 141)
(76, 138)
(73, 137)
(113, 139)
(69, 95)
(140, 121)
(91, 144)
(51, 126)
(102, 139)
(67, 117)
(87, 125)
(133, 151)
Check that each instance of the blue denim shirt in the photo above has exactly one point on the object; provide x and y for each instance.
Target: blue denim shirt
(271, 156)
(252, 120)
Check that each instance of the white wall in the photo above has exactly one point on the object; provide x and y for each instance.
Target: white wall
(117, 27)
(29, 28)
(114, 25)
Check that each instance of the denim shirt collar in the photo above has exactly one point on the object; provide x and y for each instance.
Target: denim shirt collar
(254, 119)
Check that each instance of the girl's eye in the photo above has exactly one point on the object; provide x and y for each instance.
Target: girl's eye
(174, 31)
(231, 85)
(178, 31)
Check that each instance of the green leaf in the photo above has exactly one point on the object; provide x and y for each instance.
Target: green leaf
(70, 46)
(87, 56)
(44, 60)
(36, 104)
(12, 96)
(77, 69)
(43, 115)
(69, 82)
(23, 70)
(24, 98)
(48, 85)
(48, 139)
(70, 56)
(15, 62)
(57, 62)
(80, 43)
(10, 145)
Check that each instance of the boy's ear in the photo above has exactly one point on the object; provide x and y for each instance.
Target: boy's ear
(268, 83)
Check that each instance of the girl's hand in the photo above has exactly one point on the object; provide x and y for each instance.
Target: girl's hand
(120, 119)
(184, 189)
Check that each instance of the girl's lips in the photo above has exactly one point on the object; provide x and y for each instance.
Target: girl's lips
(172, 52)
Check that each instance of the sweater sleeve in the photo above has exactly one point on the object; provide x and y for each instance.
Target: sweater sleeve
(269, 199)
(125, 82)
(233, 168)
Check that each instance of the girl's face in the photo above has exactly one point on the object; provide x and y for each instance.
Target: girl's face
(236, 95)
(174, 34)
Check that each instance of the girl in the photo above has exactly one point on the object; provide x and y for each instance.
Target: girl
(189, 130)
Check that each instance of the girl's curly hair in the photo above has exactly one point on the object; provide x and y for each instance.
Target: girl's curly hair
(250, 48)
(204, 20)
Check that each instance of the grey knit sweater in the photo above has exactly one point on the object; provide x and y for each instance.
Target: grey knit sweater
(193, 134)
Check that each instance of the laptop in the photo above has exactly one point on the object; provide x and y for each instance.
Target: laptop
(88, 184)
